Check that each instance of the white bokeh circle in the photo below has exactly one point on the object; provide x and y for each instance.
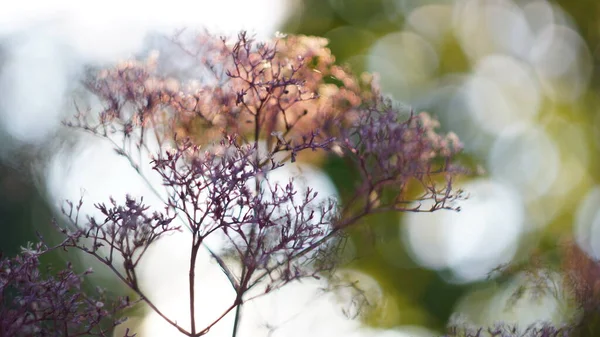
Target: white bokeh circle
(502, 92)
(483, 235)
(587, 223)
(402, 57)
(562, 61)
(525, 158)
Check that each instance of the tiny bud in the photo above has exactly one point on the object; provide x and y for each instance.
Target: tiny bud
(279, 136)
(266, 64)
(121, 320)
(337, 150)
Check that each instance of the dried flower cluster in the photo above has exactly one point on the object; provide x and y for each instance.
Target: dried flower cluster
(36, 303)
(509, 330)
(573, 279)
(582, 277)
(216, 122)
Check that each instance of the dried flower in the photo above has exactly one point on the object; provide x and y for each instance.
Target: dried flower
(286, 97)
(36, 303)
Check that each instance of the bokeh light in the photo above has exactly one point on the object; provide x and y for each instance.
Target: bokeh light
(49, 43)
(471, 243)
(502, 92)
(526, 159)
(587, 223)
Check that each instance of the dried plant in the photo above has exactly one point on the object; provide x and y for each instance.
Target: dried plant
(35, 303)
(216, 122)
(511, 330)
(568, 275)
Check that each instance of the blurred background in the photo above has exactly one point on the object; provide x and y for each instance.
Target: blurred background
(517, 81)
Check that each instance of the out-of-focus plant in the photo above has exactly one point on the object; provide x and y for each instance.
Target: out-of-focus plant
(241, 110)
(33, 303)
(571, 277)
